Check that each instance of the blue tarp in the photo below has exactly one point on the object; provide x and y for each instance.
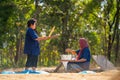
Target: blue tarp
(40, 72)
(24, 72)
(87, 72)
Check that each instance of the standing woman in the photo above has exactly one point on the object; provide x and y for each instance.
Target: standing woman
(31, 46)
(83, 56)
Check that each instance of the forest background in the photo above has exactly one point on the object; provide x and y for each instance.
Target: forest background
(96, 20)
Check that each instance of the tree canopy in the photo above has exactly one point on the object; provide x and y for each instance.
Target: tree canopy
(96, 20)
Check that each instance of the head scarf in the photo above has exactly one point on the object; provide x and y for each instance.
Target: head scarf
(83, 44)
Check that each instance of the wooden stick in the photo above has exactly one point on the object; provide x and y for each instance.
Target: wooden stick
(52, 31)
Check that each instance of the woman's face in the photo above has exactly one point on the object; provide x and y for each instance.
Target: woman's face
(33, 26)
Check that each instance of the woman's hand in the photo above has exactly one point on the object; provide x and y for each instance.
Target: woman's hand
(70, 51)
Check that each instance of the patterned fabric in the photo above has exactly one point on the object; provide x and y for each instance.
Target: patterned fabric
(79, 66)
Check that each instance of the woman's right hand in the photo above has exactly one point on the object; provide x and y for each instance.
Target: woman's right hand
(70, 51)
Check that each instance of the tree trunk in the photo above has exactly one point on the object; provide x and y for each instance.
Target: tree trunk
(109, 45)
(65, 26)
(65, 38)
(117, 33)
(37, 11)
(111, 36)
(17, 51)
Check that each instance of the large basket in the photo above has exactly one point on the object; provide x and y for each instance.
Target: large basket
(67, 57)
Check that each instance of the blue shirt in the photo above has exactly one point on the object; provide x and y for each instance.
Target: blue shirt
(31, 45)
(85, 54)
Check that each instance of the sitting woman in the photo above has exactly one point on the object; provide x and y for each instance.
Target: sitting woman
(82, 60)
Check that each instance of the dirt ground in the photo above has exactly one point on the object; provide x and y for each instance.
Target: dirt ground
(104, 75)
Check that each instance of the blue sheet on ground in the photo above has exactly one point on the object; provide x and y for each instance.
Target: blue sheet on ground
(87, 72)
(24, 72)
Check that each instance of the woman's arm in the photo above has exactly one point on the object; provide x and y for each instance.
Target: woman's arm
(43, 38)
(46, 38)
(70, 51)
(81, 60)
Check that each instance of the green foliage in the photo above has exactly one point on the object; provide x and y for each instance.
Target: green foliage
(72, 19)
